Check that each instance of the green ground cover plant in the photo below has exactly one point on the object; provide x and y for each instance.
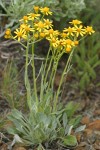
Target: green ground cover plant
(87, 59)
(9, 86)
(46, 120)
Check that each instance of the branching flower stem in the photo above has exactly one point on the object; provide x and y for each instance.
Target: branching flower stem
(46, 72)
(34, 74)
(62, 77)
(56, 58)
(27, 84)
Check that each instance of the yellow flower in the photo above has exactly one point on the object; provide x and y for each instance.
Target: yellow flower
(20, 33)
(42, 35)
(68, 49)
(36, 9)
(69, 31)
(54, 42)
(7, 34)
(36, 35)
(76, 42)
(51, 33)
(75, 22)
(69, 42)
(23, 25)
(63, 35)
(39, 26)
(89, 30)
(24, 19)
(48, 23)
(62, 43)
(66, 43)
(46, 11)
(33, 16)
(26, 27)
(79, 30)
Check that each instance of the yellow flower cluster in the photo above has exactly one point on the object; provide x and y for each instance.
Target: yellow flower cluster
(8, 34)
(34, 27)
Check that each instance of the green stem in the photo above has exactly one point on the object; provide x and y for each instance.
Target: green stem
(52, 70)
(47, 58)
(33, 67)
(27, 84)
(56, 68)
(45, 67)
(83, 37)
(34, 78)
(20, 43)
(43, 72)
(35, 41)
(26, 65)
(56, 58)
(62, 77)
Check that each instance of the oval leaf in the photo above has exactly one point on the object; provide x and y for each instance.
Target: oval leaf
(70, 140)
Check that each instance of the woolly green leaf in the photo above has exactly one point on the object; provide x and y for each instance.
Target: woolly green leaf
(93, 60)
(96, 64)
(85, 80)
(81, 128)
(90, 71)
(75, 121)
(71, 108)
(65, 120)
(70, 140)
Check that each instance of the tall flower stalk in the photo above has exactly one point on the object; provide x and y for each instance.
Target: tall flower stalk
(33, 28)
